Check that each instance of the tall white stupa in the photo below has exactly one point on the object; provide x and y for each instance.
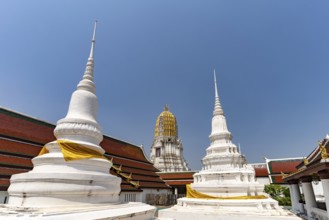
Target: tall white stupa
(70, 177)
(167, 148)
(225, 188)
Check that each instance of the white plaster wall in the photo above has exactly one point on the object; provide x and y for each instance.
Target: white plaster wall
(317, 188)
(318, 191)
(263, 180)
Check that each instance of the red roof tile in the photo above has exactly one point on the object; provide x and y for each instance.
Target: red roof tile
(4, 182)
(19, 148)
(5, 171)
(119, 148)
(179, 183)
(285, 166)
(277, 167)
(277, 179)
(176, 175)
(15, 161)
(19, 126)
(261, 172)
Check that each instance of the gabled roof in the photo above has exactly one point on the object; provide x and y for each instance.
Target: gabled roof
(22, 137)
(315, 165)
(277, 167)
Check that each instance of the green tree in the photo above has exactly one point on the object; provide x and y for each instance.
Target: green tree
(279, 193)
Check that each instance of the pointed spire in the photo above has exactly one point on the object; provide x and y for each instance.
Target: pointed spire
(93, 42)
(218, 108)
(87, 83)
(216, 91)
(80, 123)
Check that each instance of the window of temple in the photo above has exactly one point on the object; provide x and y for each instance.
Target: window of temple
(157, 152)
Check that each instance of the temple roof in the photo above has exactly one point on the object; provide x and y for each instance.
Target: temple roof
(277, 167)
(22, 137)
(313, 166)
(177, 178)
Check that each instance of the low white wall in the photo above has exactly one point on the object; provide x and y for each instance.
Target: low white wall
(3, 197)
(319, 214)
(141, 196)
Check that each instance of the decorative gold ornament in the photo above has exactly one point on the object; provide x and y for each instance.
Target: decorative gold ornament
(324, 154)
(117, 169)
(283, 175)
(128, 177)
(135, 183)
(305, 161)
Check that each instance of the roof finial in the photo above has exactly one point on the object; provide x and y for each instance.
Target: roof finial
(216, 91)
(93, 41)
(166, 107)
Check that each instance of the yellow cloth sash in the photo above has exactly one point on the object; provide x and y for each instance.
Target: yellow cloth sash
(192, 193)
(74, 151)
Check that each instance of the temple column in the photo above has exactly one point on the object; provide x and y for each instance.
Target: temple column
(324, 175)
(308, 194)
(295, 197)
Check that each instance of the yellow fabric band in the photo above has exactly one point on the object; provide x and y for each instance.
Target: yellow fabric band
(74, 151)
(192, 193)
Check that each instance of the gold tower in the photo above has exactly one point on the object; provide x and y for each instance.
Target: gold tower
(166, 124)
(167, 148)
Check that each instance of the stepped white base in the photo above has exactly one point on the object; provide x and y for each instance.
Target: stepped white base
(230, 190)
(45, 189)
(56, 182)
(215, 209)
(131, 211)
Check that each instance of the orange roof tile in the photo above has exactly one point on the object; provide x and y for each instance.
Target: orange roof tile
(176, 175)
(261, 172)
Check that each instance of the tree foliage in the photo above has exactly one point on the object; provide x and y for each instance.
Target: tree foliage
(279, 193)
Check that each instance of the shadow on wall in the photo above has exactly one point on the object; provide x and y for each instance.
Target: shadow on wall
(3, 197)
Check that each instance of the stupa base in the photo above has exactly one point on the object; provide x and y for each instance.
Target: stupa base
(215, 209)
(131, 211)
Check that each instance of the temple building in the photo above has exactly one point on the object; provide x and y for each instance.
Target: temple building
(309, 184)
(167, 148)
(226, 185)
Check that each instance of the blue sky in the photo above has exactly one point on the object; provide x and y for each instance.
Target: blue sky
(271, 59)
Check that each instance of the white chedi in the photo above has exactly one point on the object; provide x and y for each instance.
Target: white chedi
(225, 171)
(56, 182)
(225, 188)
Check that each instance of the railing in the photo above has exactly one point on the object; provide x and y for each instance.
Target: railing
(163, 199)
(129, 197)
